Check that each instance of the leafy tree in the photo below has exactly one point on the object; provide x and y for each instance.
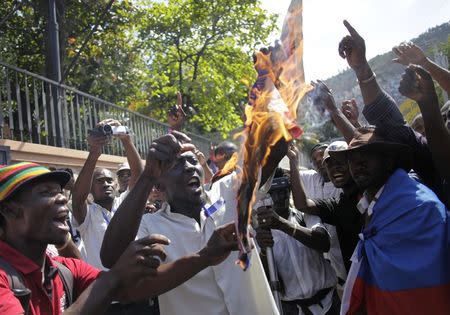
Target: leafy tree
(139, 53)
(203, 49)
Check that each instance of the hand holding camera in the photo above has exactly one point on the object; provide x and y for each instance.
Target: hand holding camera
(110, 127)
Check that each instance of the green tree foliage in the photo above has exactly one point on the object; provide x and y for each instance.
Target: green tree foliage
(203, 49)
(139, 53)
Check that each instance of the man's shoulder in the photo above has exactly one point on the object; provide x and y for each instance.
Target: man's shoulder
(308, 173)
(77, 267)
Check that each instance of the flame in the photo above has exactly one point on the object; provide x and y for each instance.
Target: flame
(270, 117)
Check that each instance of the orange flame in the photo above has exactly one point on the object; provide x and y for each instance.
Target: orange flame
(270, 116)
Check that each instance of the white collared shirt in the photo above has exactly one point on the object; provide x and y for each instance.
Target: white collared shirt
(93, 229)
(303, 270)
(218, 290)
(316, 188)
(364, 205)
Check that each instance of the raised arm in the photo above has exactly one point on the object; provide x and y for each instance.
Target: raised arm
(341, 122)
(202, 160)
(417, 84)
(353, 48)
(83, 184)
(125, 223)
(350, 110)
(409, 53)
(301, 201)
(133, 158)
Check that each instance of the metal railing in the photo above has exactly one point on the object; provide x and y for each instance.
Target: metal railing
(38, 110)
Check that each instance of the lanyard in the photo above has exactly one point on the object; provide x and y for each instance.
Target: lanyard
(214, 207)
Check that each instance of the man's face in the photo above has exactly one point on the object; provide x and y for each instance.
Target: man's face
(103, 186)
(221, 158)
(44, 213)
(368, 169)
(123, 177)
(183, 182)
(338, 171)
(316, 159)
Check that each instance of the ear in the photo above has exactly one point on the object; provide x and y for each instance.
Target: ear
(11, 210)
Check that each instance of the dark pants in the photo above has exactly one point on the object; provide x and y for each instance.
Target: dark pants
(292, 308)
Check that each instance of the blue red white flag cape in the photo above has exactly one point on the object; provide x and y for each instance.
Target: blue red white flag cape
(401, 264)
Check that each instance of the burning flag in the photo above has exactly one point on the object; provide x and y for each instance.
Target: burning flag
(271, 116)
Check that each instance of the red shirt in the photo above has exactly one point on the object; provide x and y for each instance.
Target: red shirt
(42, 302)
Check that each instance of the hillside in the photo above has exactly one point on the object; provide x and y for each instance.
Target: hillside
(388, 73)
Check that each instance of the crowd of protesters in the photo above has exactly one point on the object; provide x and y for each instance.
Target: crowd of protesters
(365, 231)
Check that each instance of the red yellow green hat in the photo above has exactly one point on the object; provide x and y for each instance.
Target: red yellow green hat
(16, 175)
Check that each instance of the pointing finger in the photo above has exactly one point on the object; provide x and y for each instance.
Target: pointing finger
(351, 30)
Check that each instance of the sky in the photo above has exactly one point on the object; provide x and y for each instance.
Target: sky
(383, 24)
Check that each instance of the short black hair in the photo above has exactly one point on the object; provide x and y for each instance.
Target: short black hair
(316, 147)
(225, 147)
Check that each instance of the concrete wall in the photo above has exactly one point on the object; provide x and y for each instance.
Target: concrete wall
(57, 157)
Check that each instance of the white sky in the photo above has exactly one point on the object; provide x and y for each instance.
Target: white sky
(383, 24)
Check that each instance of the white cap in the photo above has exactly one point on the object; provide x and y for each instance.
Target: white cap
(123, 166)
(334, 147)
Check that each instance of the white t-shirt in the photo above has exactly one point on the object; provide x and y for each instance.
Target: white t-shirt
(315, 187)
(218, 290)
(303, 270)
(93, 229)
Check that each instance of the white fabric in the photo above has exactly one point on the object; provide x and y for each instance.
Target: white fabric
(93, 229)
(51, 250)
(316, 188)
(363, 206)
(351, 278)
(303, 270)
(219, 290)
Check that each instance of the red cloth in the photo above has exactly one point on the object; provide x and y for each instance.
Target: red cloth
(41, 302)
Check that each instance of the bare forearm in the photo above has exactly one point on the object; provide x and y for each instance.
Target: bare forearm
(441, 75)
(208, 173)
(438, 136)
(96, 298)
(344, 126)
(134, 161)
(82, 187)
(124, 225)
(370, 90)
(315, 239)
(301, 201)
(168, 277)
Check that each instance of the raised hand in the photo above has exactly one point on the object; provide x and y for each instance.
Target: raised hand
(140, 259)
(325, 97)
(96, 143)
(220, 244)
(417, 84)
(292, 154)
(200, 157)
(163, 151)
(177, 118)
(409, 53)
(350, 110)
(353, 48)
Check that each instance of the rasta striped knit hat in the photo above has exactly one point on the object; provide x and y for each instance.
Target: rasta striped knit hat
(16, 175)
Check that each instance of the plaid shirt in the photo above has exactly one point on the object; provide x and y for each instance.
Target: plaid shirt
(384, 113)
